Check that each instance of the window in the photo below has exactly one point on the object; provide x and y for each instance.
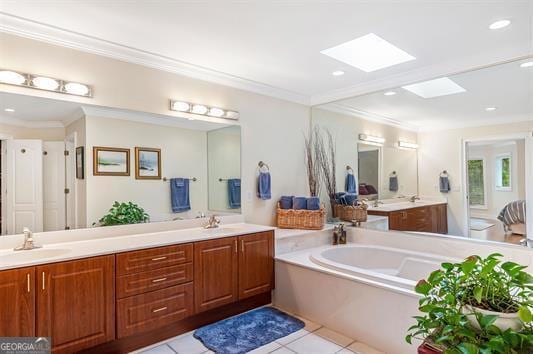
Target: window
(476, 183)
(503, 172)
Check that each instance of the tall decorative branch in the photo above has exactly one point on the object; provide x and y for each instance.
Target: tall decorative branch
(327, 151)
(312, 162)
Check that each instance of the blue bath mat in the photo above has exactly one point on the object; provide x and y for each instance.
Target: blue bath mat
(246, 332)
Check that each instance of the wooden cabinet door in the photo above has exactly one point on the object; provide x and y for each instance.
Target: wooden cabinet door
(256, 264)
(76, 303)
(17, 302)
(398, 220)
(215, 273)
(440, 217)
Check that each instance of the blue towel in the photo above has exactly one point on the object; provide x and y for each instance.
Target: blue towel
(299, 203)
(313, 203)
(263, 186)
(350, 198)
(285, 202)
(234, 193)
(393, 183)
(350, 183)
(444, 184)
(179, 195)
(340, 198)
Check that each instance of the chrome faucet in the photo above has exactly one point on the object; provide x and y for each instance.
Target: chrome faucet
(414, 198)
(28, 241)
(376, 203)
(212, 223)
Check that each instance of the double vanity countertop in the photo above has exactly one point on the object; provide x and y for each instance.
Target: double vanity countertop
(82, 248)
(391, 205)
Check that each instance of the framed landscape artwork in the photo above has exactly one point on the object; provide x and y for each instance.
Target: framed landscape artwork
(108, 161)
(147, 163)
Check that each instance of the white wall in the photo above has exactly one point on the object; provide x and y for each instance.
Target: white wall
(271, 128)
(183, 154)
(442, 150)
(45, 134)
(497, 199)
(224, 161)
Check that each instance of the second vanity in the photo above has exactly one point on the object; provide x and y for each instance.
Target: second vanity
(426, 215)
(120, 293)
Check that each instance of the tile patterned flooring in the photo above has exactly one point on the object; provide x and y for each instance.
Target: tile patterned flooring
(312, 339)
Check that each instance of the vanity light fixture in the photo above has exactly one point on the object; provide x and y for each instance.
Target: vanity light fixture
(40, 82)
(527, 64)
(389, 93)
(490, 109)
(407, 145)
(499, 24)
(337, 73)
(371, 139)
(201, 109)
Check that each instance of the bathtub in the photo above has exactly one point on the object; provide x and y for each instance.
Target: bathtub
(390, 266)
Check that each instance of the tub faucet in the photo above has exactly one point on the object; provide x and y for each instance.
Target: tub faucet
(28, 241)
(212, 223)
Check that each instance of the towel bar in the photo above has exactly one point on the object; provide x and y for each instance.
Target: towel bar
(194, 179)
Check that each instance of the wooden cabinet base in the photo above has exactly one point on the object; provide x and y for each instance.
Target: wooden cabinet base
(141, 340)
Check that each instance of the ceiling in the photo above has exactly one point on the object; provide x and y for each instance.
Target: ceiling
(38, 112)
(506, 87)
(273, 47)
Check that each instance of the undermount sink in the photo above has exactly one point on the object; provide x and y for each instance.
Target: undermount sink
(32, 255)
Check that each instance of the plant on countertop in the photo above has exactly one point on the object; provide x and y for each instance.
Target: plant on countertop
(456, 300)
(124, 213)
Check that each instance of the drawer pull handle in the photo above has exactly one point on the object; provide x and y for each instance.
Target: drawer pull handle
(28, 282)
(159, 309)
(158, 280)
(43, 280)
(159, 258)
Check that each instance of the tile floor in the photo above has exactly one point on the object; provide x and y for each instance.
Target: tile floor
(312, 339)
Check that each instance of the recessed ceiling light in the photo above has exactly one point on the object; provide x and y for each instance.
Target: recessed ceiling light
(9, 110)
(337, 73)
(368, 53)
(389, 93)
(527, 64)
(499, 24)
(11, 77)
(45, 83)
(490, 109)
(434, 88)
(75, 88)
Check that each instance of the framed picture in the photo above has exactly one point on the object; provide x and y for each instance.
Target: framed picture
(80, 162)
(108, 161)
(147, 163)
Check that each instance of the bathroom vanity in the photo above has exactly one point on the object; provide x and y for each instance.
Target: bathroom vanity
(121, 301)
(415, 216)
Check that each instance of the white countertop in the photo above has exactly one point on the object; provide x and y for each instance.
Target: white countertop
(63, 251)
(403, 205)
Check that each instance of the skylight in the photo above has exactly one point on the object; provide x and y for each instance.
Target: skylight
(368, 53)
(435, 88)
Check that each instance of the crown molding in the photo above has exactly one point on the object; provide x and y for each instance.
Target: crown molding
(17, 122)
(475, 124)
(46, 33)
(343, 109)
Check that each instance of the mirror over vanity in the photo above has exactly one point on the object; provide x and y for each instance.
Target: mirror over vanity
(450, 155)
(69, 166)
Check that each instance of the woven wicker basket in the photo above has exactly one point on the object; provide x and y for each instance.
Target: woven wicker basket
(351, 212)
(301, 219)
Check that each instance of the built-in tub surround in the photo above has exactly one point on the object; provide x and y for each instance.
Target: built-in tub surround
(365, 290)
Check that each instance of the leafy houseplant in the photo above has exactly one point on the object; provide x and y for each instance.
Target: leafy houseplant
(124, 213)
(463, 302)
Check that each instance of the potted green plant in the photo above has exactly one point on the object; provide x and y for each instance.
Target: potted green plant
(122, 214)
(480, 305)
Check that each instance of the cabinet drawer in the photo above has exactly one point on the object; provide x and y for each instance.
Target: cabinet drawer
(153, 258)
(152, 310)
(138, 283)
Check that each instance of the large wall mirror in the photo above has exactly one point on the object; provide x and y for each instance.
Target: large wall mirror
(462, 141)
(69, 166)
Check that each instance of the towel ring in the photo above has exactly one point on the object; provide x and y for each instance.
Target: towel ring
(393, 174)
(349, 168)
(261, 164)
(444, 174)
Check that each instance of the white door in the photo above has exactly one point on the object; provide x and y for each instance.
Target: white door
(24, 185)
(70, 174)
(54, 185)
(529, 186)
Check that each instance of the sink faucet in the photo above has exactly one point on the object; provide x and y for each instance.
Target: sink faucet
(28, 241)
(376, 203)
(414, 198)
(212, 223)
